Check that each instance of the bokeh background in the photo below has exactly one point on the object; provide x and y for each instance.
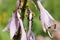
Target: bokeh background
(7, 7)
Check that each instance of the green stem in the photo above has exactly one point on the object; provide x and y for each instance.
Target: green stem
(23, 9)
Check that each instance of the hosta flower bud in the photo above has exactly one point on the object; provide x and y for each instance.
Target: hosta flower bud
(46, 19)
(23, 34)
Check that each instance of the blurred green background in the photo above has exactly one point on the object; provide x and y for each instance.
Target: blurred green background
(7, 7)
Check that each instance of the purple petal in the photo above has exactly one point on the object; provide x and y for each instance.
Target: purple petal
(46, 18)
(6, 28)
(13, 28)
(23, 35)
(30, 36)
